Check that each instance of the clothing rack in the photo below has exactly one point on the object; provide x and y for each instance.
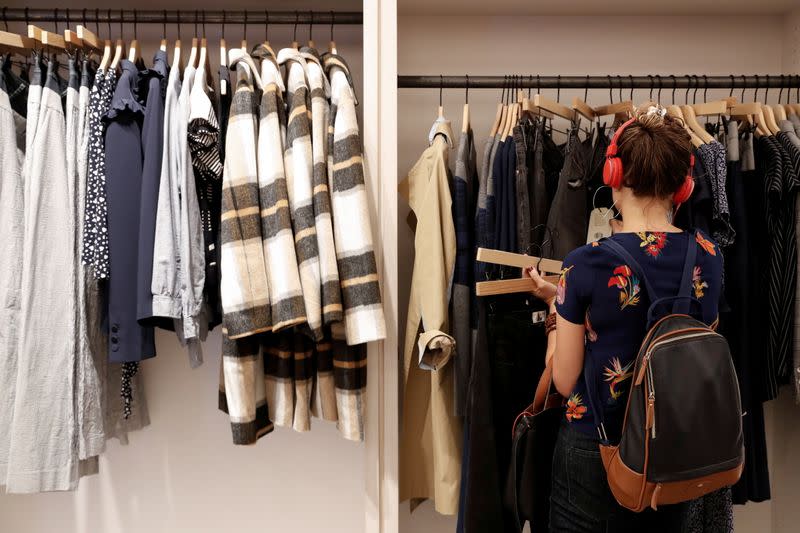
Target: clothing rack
(654, 81)
(180, 16)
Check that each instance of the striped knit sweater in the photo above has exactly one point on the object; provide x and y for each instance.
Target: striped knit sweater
(298, 165)
(358, 272)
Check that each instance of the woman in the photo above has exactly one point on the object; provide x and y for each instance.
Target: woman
(601, 309)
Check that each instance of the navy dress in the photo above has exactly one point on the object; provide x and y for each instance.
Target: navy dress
(128, 341)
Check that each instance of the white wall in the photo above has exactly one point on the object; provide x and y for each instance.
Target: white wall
(182, 473)
(598, 45)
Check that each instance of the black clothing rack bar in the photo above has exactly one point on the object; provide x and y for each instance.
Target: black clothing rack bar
(654, 81)
(179, 16)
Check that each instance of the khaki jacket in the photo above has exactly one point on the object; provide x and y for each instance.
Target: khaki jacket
(430, 460)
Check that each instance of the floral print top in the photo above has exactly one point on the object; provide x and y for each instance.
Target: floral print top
(597, 290)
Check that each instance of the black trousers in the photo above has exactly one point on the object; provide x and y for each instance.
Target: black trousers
(508, 360)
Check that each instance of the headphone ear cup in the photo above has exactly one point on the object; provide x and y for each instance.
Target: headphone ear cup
(612, 172)
(685, 192)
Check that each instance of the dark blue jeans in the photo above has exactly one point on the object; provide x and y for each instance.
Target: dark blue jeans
(581, 501)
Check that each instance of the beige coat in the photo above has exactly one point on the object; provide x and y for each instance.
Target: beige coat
(430, 447)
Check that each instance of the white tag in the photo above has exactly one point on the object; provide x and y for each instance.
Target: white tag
(223, 87)
(599, 225)
(537, 317)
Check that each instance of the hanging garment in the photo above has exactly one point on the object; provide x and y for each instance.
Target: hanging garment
(165, 284)
(509, 357)
(464, 201)
(43, 453)
(567, 220)
(298, 164)
(780, 182)
(12, 156)
(192, 255)
(153, 148)
(523, 146)
(430, 444)
(223, 107)
(95, 251)
(91, 345)
(128, 342)
(358, 271)
(713, 513)
(791, 145)
(285, 290)
(698, 211)
(540, 202)
(713, 157)
(319, 91)
(794, 141)
(245, 289)
(481, 239)
(741, 322)
(492, 200)
(203, 131)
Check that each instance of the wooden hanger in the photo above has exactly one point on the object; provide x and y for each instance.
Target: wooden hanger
(509, 286)
(705, 109)
(16, 42)
(554, 107)
(90, 40)
(675, 111)
(497, 118)
(769, 119)
(46, 38)
(72, 40)
(582, 108)
(193, 53)
(690, 118)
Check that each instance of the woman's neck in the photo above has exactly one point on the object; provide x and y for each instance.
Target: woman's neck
(647, 215)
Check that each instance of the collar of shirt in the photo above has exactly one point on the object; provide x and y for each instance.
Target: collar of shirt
(333, 64)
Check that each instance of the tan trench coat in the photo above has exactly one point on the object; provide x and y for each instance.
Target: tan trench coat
(430, 442)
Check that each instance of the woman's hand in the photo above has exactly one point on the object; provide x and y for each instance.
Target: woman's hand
(544, 290)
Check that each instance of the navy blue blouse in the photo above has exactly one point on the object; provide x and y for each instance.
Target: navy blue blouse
(598, 290)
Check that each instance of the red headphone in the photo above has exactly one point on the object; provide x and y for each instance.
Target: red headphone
(613, 173)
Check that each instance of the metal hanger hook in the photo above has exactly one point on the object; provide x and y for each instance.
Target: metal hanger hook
(244, 27)
(766, 93)
(466, 90)
(266, 25)
(631, 78)
(660, 86)
(688, 88)
(610, 90)
(296, 21)
(55, 19)
(332, 23)
(204, 23)
(108, 23)
(5, 19)
(311, 26)
(441, 88)
(121, 20)
(780, 94)
(135, 25)
(178, 23)
(674, 86)
(755, 94)
(744, 86)
(652, 85)
(222, 29)
(164, 26)
(558, 88)
(619, 86)
(196, 16)
(705, 88)
(586, 90)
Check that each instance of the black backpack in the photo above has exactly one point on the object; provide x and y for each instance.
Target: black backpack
(682, 434)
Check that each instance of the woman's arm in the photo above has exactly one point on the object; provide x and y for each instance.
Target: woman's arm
(565, 344)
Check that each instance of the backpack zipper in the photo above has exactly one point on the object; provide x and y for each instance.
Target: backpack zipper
(648, 371)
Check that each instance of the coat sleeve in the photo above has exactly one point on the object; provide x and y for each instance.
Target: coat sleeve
(435, 249)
